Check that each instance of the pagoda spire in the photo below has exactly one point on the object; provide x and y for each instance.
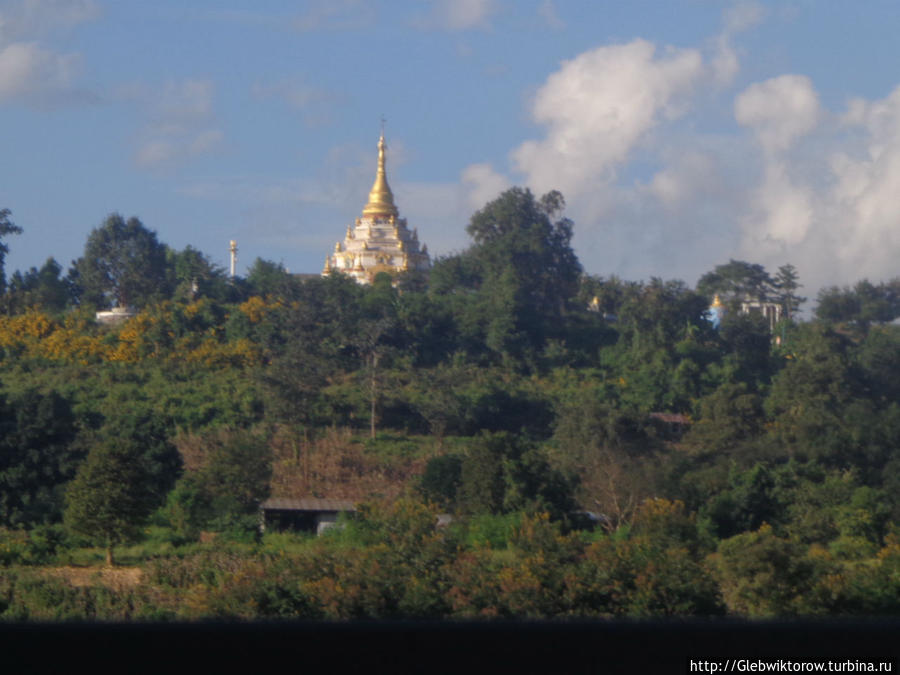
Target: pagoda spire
(381, 199)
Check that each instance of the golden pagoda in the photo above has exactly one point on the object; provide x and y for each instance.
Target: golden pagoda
(379, 241)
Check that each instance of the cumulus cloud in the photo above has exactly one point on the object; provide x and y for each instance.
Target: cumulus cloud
(481, 183)
(737, 19)
(457, 15)
(31, 72)
(652, 195)
(779, 110)
(863, 210)
(601, 111)
(179, 121)
(679, 183)
(828, 205)
(598, 107)
(781, 216)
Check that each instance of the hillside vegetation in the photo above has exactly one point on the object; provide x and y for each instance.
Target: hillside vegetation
(604, 449)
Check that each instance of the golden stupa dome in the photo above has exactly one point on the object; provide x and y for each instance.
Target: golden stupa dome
(381, 199)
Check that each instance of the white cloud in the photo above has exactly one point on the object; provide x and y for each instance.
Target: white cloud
(827, 205)
(743, 16)
(481, 184)
(779, 110)
(737, 19)
(456, 15)
(791, 183)
(679, 183)
(547, 11)
(35, 18)
(725, 63)
(30, 72)
(437, 211)
(597, 108)
(179, 121)
(782, 214)
(863, 213)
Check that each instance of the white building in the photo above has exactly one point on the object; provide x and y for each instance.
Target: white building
(380, 240)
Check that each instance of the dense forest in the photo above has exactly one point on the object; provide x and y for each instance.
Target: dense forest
(604, 447)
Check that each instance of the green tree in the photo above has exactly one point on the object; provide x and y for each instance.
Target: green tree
(138, 425)
(860, 306)
(737, 281)
(109, 499)
(785, 284)
(837, 304)
(520, 274)
(269, 278)
(194, 275)
(123, 265)
(38, 455)
(43, 287)
(502, 473)
(224, 491)
(7, 227)
(749, 501)
(729, 417)
(811, 398)
(763, 575)
(441, 479)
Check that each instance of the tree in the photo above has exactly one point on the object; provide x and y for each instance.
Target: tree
(109, 499)
(269, 278)
(38, 455)
(785, 284)
(761, 574)
(502, 473)
(861, 306)
(123, 265)
(44, 288)
(224, 487)
(520, 274)
(737, 281)
(6, 227)
(194, 275)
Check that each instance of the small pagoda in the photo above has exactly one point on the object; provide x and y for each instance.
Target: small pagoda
(380, 240)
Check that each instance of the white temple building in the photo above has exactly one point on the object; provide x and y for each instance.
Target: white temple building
(380, 240)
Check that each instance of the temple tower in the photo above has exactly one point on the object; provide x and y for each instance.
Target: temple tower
(380, 240)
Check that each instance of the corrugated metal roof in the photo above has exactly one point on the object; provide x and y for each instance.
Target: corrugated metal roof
(307, 504)
(670, 418)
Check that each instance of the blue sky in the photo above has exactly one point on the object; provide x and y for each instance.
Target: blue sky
(682, 133)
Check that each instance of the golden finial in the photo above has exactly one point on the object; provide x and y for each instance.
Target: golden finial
(381, 199)
(717, 302)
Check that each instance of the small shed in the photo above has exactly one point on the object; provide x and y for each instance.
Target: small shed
(309, 514)
(670, 426)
